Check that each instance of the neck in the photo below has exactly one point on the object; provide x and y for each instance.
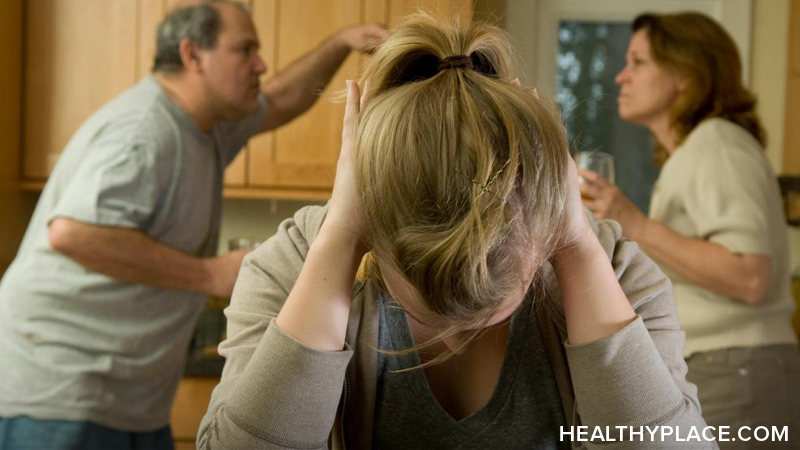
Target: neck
(189, 98)
(665, 133)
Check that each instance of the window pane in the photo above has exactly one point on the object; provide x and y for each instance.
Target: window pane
(590, 54)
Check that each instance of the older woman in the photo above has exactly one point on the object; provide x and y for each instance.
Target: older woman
(716, 225)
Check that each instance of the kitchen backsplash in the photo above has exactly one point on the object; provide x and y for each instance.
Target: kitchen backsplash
(794, 242)
(254, 219)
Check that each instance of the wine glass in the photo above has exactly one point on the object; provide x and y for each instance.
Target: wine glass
(599, 162)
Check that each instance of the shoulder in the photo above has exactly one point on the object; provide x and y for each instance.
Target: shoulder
(294, 236)
(308, 220)
(717, 137)
(137, 116)
(269, 272)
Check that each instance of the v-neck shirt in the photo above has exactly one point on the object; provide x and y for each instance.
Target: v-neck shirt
(524, 410)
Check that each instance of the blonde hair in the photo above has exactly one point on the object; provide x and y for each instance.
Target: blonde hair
(696, 47)
(462, 175)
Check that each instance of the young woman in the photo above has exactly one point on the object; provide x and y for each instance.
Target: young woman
(490, 311)
(716, 224)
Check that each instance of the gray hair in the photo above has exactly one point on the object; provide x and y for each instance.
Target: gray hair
(200, 23)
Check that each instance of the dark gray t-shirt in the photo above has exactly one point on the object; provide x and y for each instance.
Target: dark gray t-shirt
(524, 411)
(76, 344)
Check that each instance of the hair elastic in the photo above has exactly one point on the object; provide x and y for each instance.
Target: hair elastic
(455, 61)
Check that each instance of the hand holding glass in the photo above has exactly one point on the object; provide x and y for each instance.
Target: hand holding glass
(599, 162)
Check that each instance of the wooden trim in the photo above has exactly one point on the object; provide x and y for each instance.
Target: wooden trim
(278, 194)
(233, 192)
(32, 185)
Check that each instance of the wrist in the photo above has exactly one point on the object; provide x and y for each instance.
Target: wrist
(342, 237)
(585, 247)
(208, 275)
(340, 42)
(641, 230)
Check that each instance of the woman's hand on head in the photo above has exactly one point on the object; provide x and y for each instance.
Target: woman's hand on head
(606, 201)
(344, 217)
(576, 225)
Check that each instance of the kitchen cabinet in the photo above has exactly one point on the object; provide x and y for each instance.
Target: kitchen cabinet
(791, 143)
(303, 153)
(78, 55)
(391, 12)
(16, 207)
(81, 53)
(188, 409)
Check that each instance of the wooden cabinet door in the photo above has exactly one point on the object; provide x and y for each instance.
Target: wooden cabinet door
(391, 11)
(791, 139)
(151, 13)
(79, 55)
(189, 408)
(303, 153)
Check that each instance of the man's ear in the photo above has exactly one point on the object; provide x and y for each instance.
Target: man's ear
(190, 55)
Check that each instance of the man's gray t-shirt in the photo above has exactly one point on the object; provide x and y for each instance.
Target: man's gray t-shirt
(76, 344)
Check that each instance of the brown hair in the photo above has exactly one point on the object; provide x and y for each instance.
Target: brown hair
(696, 47)
(199, 21)
(462, 175)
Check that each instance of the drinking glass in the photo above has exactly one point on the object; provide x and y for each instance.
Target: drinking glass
(599, 162)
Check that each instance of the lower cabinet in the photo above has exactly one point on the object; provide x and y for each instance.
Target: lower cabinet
(191, 403)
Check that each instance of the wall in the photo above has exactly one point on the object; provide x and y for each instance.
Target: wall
(254, 219)
(769, 64)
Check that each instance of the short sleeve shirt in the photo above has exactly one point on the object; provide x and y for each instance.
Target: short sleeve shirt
(719, 187)
(76, 344)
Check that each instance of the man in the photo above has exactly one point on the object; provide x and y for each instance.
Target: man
(97, 309)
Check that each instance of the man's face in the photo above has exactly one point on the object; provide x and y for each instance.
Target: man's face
(231, 71)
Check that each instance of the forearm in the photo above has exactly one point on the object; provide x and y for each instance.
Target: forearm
(594, 304)
(297, 87)
(707, 264)
(317, 309)
(129, 256)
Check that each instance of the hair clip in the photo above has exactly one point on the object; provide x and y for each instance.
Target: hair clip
(486, 187)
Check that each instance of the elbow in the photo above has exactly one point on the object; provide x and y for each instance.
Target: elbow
(754, 275)
(755, 295)
(756, 287)
(61, 236)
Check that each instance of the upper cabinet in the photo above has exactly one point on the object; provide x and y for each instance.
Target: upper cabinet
(391, 11)
(791, 142)
(303, 153)
(79, 54)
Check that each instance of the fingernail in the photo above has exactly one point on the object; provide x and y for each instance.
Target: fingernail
(347, 84)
